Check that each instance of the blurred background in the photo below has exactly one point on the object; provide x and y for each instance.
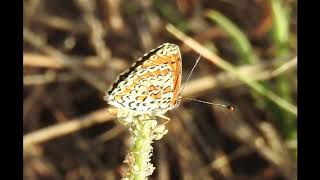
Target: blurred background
(74, 50)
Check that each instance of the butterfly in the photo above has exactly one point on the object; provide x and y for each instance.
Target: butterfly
(151, 86)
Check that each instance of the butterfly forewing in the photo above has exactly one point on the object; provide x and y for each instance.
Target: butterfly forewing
(152, 84)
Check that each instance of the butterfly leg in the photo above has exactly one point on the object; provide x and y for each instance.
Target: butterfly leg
(164, 117)
(167, 119)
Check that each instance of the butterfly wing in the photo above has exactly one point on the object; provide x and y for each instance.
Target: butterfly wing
(152, 84)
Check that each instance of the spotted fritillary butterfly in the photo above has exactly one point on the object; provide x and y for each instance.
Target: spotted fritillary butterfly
(151, 86)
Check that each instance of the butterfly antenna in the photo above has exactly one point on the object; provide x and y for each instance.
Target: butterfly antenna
(216, 104)
(205, 102)
(194, 66)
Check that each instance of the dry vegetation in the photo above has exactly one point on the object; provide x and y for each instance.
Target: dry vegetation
(74, 50)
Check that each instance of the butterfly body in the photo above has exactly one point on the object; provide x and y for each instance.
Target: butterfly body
(151, 86)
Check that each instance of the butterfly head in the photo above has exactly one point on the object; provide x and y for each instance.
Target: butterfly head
(177, 102)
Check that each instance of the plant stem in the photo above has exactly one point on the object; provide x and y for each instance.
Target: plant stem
(144, 131)
(239, 38)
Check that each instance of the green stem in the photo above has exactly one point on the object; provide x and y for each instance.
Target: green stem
(144, 131)
(281, 32)
(239, 39)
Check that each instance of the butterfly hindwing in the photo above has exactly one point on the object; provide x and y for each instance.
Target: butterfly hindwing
(151, 84)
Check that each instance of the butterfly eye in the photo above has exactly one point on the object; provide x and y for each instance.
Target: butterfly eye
(178, 101)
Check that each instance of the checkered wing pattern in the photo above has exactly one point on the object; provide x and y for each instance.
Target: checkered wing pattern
(152, 84)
